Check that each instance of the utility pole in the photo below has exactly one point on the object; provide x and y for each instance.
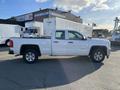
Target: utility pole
(117, 20)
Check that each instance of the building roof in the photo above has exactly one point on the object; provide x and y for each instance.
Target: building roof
(68, 15)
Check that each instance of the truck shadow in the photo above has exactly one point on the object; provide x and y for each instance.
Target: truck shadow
(17, 75)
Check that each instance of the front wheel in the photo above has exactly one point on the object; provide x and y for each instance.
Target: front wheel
(97, 55)
(30, 56)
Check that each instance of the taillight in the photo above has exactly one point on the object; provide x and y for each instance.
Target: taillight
(10, 43)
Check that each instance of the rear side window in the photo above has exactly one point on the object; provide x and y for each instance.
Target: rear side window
(60, 35)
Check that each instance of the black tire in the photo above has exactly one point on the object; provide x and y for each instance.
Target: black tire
(97, 55)
(30, 56)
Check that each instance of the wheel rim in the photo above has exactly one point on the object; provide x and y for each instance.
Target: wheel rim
(30, 57)
(98, 56)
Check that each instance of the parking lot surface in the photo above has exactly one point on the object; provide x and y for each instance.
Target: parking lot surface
(59, 73)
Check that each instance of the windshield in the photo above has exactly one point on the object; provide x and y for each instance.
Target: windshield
(30, 31)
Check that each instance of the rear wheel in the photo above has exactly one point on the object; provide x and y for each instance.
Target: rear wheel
(30, 56)
(97, 55)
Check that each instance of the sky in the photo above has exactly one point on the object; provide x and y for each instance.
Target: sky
(101, 12)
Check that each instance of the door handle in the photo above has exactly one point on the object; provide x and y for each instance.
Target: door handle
(56, 41)
(70, 42)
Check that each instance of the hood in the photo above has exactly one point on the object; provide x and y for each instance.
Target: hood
(99, 41)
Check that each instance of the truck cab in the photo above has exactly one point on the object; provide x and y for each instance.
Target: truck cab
(67, 42)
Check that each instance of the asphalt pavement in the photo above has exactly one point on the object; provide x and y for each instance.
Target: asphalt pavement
(59, 73)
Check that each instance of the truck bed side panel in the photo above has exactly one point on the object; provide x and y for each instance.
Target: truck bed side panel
(44, 44)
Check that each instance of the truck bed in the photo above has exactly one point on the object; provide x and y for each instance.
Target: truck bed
(43, 42)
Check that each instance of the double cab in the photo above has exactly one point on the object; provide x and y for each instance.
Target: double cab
(61, 43)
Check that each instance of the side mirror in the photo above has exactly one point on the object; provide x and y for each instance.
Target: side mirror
(84, 38)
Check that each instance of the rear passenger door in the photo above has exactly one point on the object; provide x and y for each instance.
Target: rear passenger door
(59, 43)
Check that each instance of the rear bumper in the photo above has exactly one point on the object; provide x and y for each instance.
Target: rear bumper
(11, 52)
(2, 42)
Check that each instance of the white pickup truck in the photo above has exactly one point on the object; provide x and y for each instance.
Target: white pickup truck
(62, 43)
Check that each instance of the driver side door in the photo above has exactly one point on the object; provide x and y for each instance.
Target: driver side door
(76, 45)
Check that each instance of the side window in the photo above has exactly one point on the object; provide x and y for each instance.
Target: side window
(60, 35)
(74, 35)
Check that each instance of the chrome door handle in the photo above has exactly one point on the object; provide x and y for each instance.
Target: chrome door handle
(56, 41)
(70, 42)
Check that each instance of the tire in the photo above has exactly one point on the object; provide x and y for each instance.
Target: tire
(30, 56)
(97, 55)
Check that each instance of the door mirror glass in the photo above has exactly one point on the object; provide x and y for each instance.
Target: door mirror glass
(84, 38)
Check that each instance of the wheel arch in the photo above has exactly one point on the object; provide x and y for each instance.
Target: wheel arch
(27, 46)
(6, 41)
(104, 48)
